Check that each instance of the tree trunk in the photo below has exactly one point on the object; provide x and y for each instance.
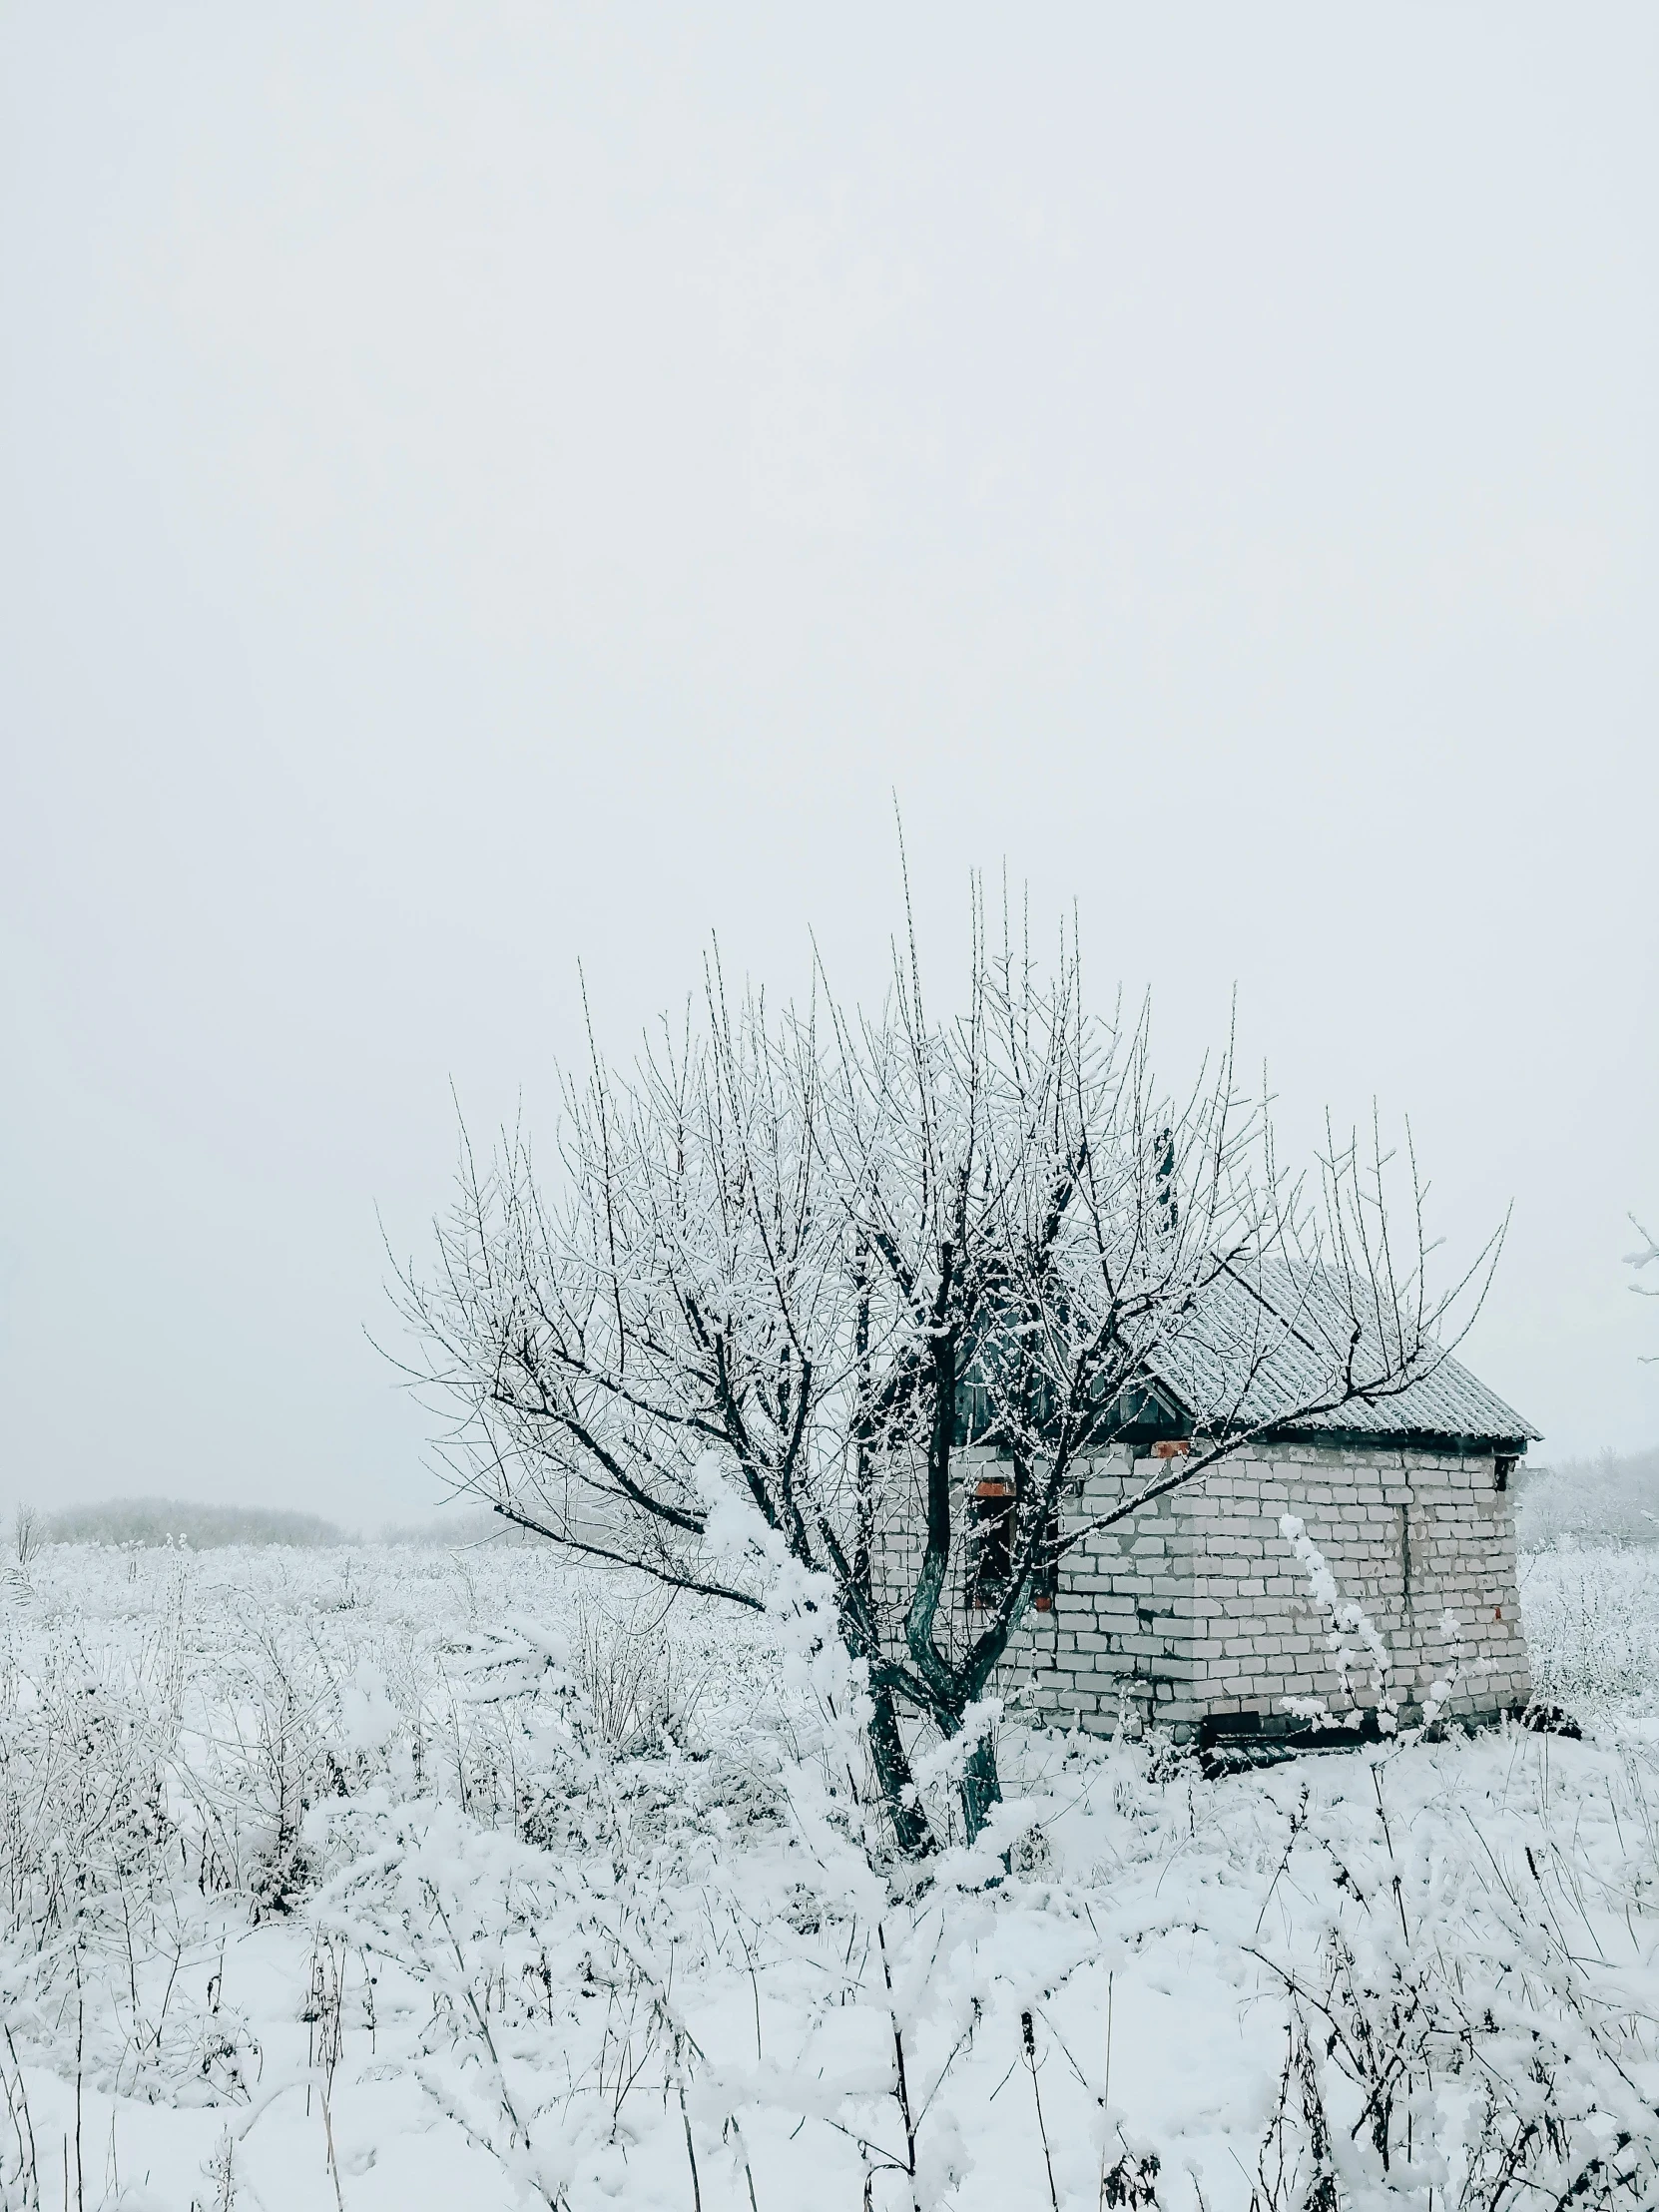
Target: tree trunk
(892, 1767)
(981, 1785)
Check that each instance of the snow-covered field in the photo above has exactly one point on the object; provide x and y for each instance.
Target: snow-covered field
(389, 1879)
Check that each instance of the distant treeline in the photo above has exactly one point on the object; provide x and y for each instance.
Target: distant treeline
(161, 1520)
(1591, 1501)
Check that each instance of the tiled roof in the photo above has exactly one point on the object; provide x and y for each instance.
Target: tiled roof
(1262, 1345)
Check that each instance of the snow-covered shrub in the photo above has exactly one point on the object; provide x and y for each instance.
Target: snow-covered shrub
(1350, 1626)
(1592, 1627)
(645, 1683)
(1444, 2035)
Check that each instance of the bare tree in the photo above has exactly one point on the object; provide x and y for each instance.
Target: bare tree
(809, 1254)
(1649, 1251)
(26, 1533)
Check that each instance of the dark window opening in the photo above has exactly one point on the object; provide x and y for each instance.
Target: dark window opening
(1502, 1467)
(995, 1532)
(994, 1542)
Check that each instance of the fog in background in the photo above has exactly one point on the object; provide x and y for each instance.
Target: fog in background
(1588, 1501)
(487, 487)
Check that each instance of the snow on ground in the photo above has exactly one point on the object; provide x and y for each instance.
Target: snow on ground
(390, 1878)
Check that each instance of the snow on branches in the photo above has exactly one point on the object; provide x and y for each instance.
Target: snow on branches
(800, 1255)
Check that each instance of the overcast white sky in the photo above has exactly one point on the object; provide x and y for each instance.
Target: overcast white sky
(489, 485)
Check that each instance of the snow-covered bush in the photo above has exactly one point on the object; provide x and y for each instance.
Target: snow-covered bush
(1444, 2033)
(1592, 1627)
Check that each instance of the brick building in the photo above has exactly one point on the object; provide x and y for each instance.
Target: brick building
(1197, 1613)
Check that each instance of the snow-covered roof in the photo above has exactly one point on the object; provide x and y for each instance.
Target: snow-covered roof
(1261, 1345)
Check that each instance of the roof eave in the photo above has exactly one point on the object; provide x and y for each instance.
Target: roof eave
(1465, 1447)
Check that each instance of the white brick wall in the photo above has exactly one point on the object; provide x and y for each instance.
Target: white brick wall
(1198, 1606)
